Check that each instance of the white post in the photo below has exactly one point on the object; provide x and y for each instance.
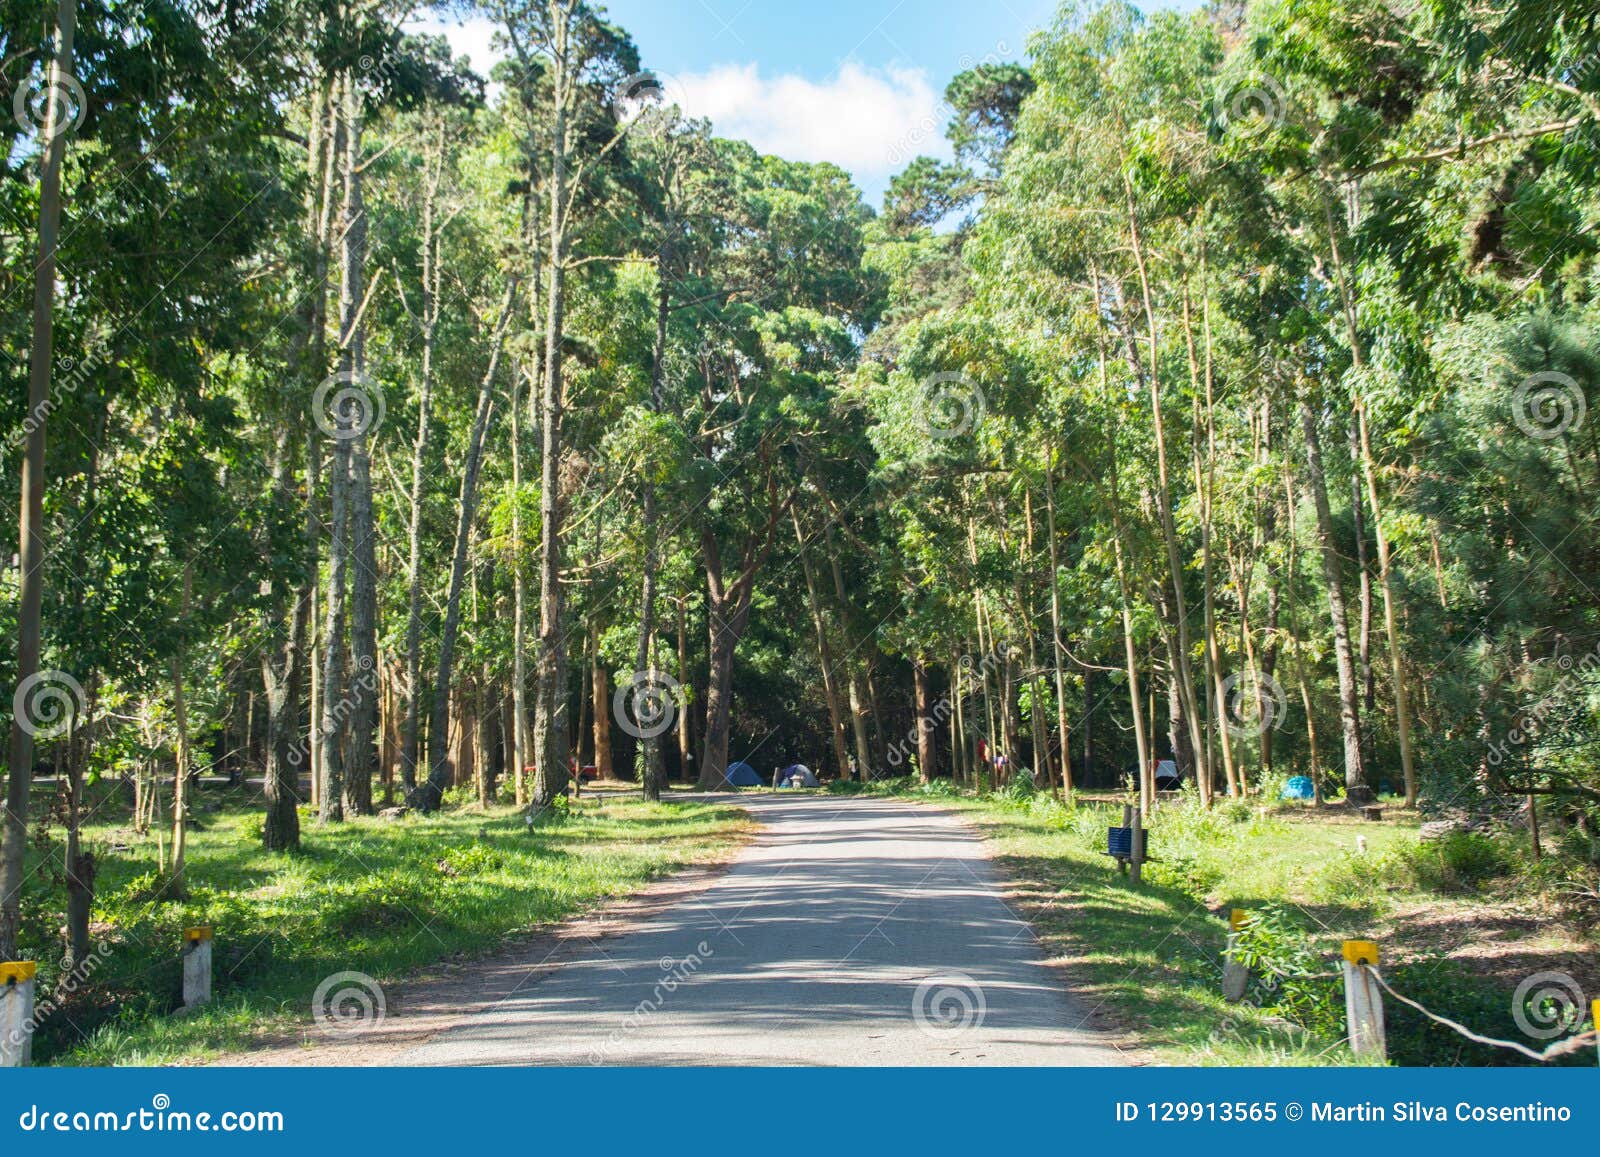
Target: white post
(17, 980)
(196, 966)
(1363, 1001)
(1235, 976)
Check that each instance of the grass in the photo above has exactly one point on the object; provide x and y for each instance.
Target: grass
(383, 897)
(1150, 956)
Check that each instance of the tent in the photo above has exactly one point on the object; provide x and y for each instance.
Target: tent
(1298, 787)
(801, 772)
(1167, 778)
(740, 774)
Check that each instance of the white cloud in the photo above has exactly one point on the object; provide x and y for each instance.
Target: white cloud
(869, 121)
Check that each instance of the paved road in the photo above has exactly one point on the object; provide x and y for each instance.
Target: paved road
(852, 932)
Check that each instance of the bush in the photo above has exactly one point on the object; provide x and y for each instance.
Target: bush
(1289, 979)
(1460, 862)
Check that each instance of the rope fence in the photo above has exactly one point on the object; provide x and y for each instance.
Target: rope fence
(1364, 987)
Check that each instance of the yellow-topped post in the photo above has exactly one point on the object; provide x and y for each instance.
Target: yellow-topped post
(196, 966)
(1235, 976)
(1363, 1001)
(17, 981)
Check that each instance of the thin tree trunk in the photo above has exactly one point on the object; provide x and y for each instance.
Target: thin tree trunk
(1355, 778)
(430, 794)
(1058, 649)
(363, 535)
(824, 654)
(180, 715)
(550, 700)
(30, 533)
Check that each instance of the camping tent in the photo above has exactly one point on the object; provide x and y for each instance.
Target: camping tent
(801, 772)
(741, 774)
(1167, 778)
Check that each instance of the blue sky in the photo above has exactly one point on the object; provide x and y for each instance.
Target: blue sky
(856, 82)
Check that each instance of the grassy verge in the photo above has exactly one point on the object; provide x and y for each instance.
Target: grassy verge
(373, 896)
(1460, 923)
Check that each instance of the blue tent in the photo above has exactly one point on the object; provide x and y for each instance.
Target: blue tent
(1298, 787)
(741, 775)
(801, 772)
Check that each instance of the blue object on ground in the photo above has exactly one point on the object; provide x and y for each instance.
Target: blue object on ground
(741, 775)
(1299, 787)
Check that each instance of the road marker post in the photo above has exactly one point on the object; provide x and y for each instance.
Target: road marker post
(1235, 976)
(17, 981)
(1363, 1001)
(196, 966)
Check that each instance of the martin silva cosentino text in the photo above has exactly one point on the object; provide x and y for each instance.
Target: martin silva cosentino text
(1403, 1112)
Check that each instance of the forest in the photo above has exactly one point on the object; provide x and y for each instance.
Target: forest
(388, 436)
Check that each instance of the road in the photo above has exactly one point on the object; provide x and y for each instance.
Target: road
(851, 932)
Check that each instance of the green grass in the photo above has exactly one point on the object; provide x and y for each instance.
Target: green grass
(380, 897)
(1149, 956)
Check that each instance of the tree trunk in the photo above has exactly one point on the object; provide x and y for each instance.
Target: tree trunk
(604, 767)
(180, 784)
(429, 318)
(550, 698)
(430, 793)
(1355, 778)
(830, 689)
(30, 533)
(927, 735)
(362, 688)
(1058, 649)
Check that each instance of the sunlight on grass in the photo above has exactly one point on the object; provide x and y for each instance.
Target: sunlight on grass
(374, 896)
